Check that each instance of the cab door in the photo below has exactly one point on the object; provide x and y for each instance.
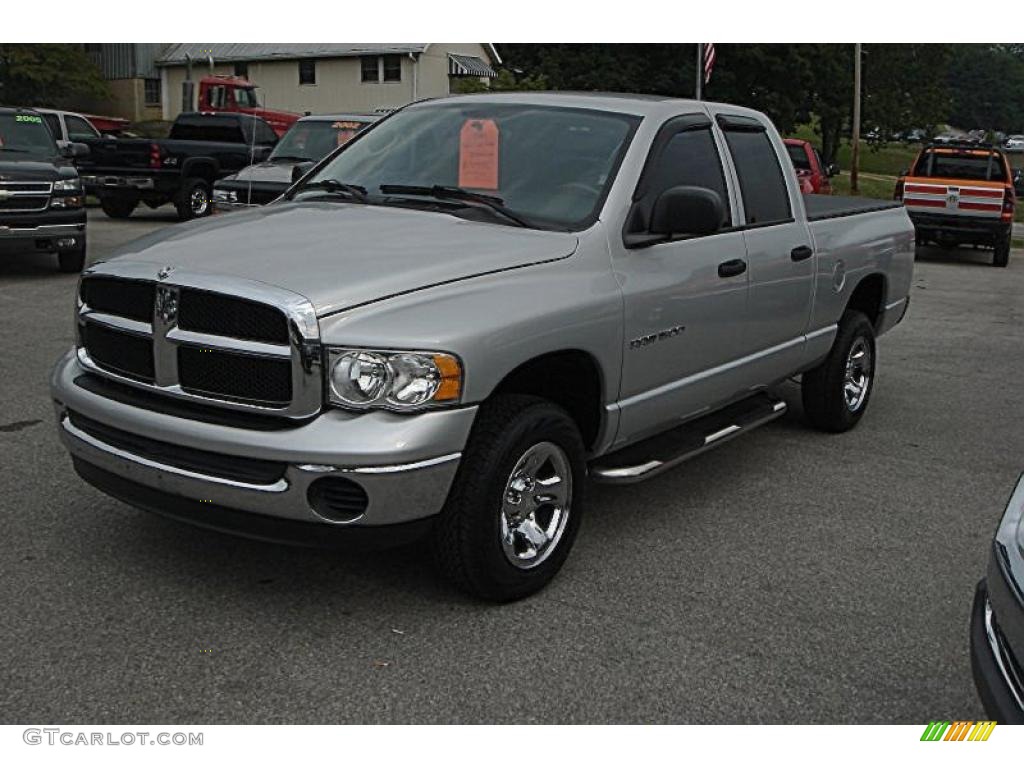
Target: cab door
(780, 254)
(685, 299)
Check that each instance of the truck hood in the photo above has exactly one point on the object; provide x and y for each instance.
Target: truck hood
(12, 169)
(340, 255)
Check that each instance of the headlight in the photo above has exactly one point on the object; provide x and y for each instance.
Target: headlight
(1011, 527)
(225, 196)
(364, 379)
(73, 186)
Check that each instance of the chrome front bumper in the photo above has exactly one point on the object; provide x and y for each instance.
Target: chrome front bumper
(42, 231)
(405, 464)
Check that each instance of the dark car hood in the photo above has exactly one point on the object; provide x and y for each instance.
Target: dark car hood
(275, 172)
(340, 255)
(30, 170)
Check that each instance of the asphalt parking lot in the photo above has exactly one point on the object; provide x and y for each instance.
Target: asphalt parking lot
(789, 576)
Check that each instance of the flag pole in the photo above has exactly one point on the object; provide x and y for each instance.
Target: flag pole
(700, 72)
(855, 138)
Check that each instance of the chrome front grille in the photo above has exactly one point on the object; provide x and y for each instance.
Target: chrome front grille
(24, 196)
(235, 343)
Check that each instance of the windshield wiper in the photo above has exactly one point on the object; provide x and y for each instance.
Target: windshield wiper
(291, 157)
(334, 186)
(15, 149)
(441, 192)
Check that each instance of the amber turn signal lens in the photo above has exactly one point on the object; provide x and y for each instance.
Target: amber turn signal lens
(451, 378)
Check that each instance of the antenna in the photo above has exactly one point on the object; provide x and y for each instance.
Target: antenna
(252, 156)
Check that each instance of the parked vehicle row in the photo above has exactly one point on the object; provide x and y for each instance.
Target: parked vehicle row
(448, 323)
(41, 196)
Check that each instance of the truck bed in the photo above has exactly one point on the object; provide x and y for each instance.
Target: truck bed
(833, 207)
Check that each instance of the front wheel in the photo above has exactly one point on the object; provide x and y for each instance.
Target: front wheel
(836, 393)
(73, 260)
(118, 207)
(516, 504)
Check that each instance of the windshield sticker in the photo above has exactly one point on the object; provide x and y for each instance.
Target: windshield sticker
(27, 119)
(478, 154)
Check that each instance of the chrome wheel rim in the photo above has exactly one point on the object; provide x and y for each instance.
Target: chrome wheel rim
(199, 201)
(535, 505)
(857, 380)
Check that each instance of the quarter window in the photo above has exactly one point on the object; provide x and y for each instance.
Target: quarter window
(762, 185)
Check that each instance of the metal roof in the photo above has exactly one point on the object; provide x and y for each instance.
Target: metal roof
(228, 52)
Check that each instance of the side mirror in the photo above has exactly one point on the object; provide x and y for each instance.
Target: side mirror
(301, 169)
(261, 153)
(72, 149)
(905, 172)
(831, 170)
(1018, 181)
(687, 211)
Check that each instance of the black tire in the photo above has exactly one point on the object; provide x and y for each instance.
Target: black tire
(187, 201)
(467, 538)
(73, 260)
(1001, 257)
(118, 207)
(824, 388)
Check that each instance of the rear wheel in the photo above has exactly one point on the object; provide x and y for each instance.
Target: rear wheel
(72, 260)
(117, 207)
(515, 507)
(1001, 258)
(836, 393)
(193, 199)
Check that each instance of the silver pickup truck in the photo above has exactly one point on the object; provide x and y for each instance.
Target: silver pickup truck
(446, 326)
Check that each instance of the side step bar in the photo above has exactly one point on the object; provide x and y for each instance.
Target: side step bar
(664, 451)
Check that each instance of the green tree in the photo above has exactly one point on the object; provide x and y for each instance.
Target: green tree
(47, 74)
(986, 84)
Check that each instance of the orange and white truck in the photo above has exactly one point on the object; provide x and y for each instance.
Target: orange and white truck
(958, 194)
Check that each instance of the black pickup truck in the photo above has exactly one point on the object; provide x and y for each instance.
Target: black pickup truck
(40, 194)
(181, 169)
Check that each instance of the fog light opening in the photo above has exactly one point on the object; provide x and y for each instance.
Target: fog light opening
(337, 499)
(66, 242)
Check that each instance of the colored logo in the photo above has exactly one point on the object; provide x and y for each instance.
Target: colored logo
(958, 730)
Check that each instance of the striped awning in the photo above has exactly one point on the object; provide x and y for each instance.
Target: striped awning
(460, 65)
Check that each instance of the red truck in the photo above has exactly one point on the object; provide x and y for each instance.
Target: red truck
(813, 175)
(221, 93)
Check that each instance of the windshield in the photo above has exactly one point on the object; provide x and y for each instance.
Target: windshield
(948, 164)
(25, 135)
(551, 165)
(246, 97)
(314, 139)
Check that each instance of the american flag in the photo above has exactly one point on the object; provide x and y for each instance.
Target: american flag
(709, 61)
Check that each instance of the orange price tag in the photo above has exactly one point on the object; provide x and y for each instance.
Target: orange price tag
(478, 154)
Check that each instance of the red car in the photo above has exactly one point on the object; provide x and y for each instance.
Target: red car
(813, 175)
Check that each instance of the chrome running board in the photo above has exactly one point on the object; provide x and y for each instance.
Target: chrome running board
(667, 449)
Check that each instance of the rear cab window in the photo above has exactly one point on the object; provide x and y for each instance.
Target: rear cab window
(207, 128)
(975, 165)
(762, 183)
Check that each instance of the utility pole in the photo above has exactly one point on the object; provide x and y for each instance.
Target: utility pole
(855, 155)
(698, 91)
